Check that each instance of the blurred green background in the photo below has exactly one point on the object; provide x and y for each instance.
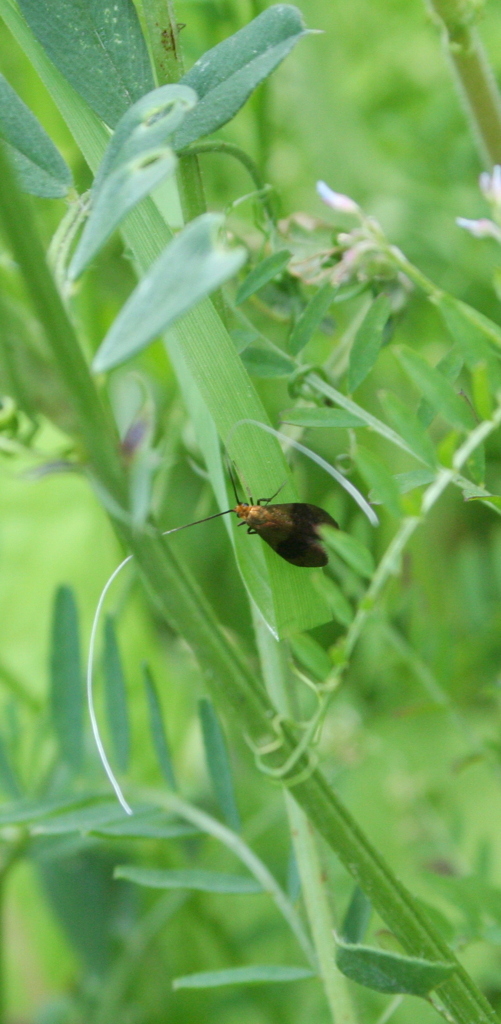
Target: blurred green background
(412, 742)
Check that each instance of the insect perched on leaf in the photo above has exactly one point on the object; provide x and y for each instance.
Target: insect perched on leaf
(290, 529)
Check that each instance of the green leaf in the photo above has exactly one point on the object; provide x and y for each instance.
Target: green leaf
(116, 696)
(8, 777)
(157, 729)
(264, 362)
(477, 335)
(190, 878)
(136, 161)
(26, 811)
(144, 824)
(218, 763)
(390, 972)
(368, 340)
(436, 389)
(191, 266)
(409, 427)
(99, 48)
(81, 819)
(311, 655)
(357, 917)
(379, 479)
(260, 275)
(40, 167)
(66, 685)
(258, 974)
(341, 608)
(224, 77)
(351, 550)
(450, 367)
(310, 318)
(321, 418)
(415, 478)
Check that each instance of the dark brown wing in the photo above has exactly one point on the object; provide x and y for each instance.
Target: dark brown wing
(292, 533)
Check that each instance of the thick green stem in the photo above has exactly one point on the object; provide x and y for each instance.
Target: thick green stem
(474, 76)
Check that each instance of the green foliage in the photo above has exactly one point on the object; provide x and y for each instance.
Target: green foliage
(370, 688)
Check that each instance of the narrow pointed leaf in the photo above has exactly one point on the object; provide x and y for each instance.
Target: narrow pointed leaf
(218, 763)
(351, 550)
(436, 389)
(190, 267)
(99, 48)
(357, 917)
(256, 975)
(9, 781)
(407, 424)
(203, 881)
(311, 655)
(310, 318)
(40, 167)
(390, 972)
(157, 729)
(368, 340)
(379, 480)
(264, 362)
(66, 684)
(260, 275)
(116, 696)
(136, 161)
(479, 336)
(450, 367)
(341, 608)
(225, 76)
(321, 417)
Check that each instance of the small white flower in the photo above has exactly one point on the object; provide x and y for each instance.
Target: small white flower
(336, 200)
(483, 228)
(490, 185)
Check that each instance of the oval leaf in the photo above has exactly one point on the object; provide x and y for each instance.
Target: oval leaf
(40, 167)
(357, 917)
(351, 550)
(202, 881)
(433, 385)
(225, 76)
(310, 318)
(321, 418)
(66, 683)
(99, 48)
(260, 275)
(242, 976)
(264, 362)
(218, 763)
(390, 972)
(136, 161)
(368, 340)
(190, 267)
(409, 427)
(379, 479)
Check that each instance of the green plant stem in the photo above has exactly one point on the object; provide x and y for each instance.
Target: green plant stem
(230, 149)
(313, 887)
(473, 74)
(163, 37)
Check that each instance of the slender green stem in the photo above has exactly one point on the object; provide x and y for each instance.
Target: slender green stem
(271, 653)
(230, 149)
(174, 804)
(473, 74)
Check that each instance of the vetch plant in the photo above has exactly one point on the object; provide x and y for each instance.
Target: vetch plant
(236, 323)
